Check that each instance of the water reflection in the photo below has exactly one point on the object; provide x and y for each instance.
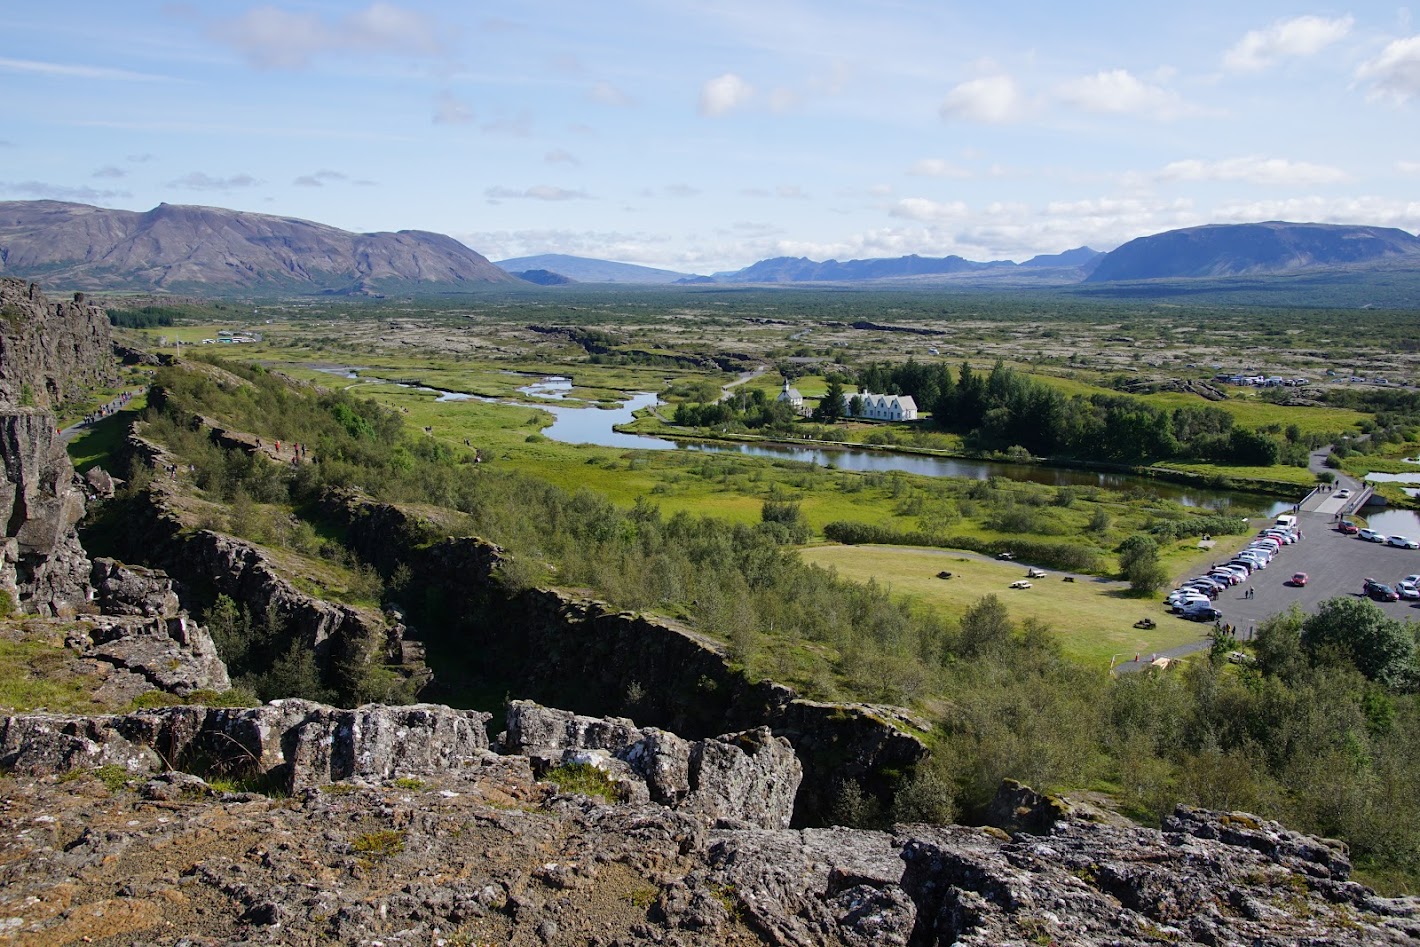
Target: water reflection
(593, 425)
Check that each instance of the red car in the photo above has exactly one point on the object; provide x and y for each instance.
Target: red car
(1299, 579)
(1349, 529)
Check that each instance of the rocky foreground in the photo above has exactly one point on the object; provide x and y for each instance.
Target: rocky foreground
(409, 826)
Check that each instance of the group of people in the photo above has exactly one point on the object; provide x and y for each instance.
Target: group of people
(113, 407)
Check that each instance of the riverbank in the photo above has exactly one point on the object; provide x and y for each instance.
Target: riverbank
(1291, 487)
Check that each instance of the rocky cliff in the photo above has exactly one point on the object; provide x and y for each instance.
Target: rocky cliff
(583, 654)
(49, 352)
(345, 640)
(403, 827)
(43, 567)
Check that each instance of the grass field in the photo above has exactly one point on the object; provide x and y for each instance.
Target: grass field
(97, 441)
(1093, 619)
(1247, 409)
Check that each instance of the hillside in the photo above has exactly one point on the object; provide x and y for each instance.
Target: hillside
(215, 250)
(585, 270)
(1274, 247)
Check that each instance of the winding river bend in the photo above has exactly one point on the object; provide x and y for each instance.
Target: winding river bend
(593, 425)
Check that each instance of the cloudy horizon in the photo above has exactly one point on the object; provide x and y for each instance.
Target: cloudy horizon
(716, 133)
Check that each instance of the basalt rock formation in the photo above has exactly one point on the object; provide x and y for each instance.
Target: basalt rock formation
(749, 777)
(584, 654)
(42, 565)
(47, 353)
(50, 351)
(403, 828)
(344, 639)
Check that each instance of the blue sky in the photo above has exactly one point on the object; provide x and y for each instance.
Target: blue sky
(707, 134)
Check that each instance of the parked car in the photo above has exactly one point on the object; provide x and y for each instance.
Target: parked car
(1034, 574)
(1347, 527)
(1382, 592)
(1407, 590)
(1005, 556)
(1403, 542)
(1299, 579)
(1371, 536)
(1415, 579)
(1202, 613)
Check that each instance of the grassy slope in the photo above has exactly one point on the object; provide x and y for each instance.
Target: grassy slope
(1094, 620)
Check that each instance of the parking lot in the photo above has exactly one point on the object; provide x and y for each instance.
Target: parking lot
(1335, 563)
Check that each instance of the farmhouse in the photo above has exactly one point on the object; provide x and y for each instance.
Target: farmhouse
(875, 407)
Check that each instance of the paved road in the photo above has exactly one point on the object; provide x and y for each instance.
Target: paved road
(1335, 565)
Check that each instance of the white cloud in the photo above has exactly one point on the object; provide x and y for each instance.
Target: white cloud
(319, 178)
(1298, 36)
(1395, 73)
(791, 192)
(993, 100)
(1371, 210)
(560, 156)
(1119, 91)
(604, 93)
(273, 38)
(920, 208)
(937, 168)
(538, 192)
(1252, 169)
(109, 171)
(1408, 167)
(723, 94)
(58, 192)
(70, 71)
(782, 99)
(198, 181)
(449, 109)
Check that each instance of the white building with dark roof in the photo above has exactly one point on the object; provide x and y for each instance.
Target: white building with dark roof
(792, 396)
(874, 407)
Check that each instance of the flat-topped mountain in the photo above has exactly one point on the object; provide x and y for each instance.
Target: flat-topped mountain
(1254, 249)
(213, 249)
(585, 270)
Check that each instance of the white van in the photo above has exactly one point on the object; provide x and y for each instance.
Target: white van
(1287, 521)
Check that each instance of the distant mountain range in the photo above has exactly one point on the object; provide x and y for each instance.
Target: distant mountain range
(1273, 247)
(211, 249)
(803, 270)
(583, 270)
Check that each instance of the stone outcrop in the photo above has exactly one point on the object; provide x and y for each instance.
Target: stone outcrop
(290, 743)
(748, 778)
(478, 852)
(42, 565)
(49, 352)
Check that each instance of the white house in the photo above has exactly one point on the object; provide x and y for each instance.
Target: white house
(881, 407)
(792, 396)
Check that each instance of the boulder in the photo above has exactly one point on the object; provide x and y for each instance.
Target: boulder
(122, 589)
(172, 654)
(745, 778)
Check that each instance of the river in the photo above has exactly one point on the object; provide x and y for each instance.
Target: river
(595, 425)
